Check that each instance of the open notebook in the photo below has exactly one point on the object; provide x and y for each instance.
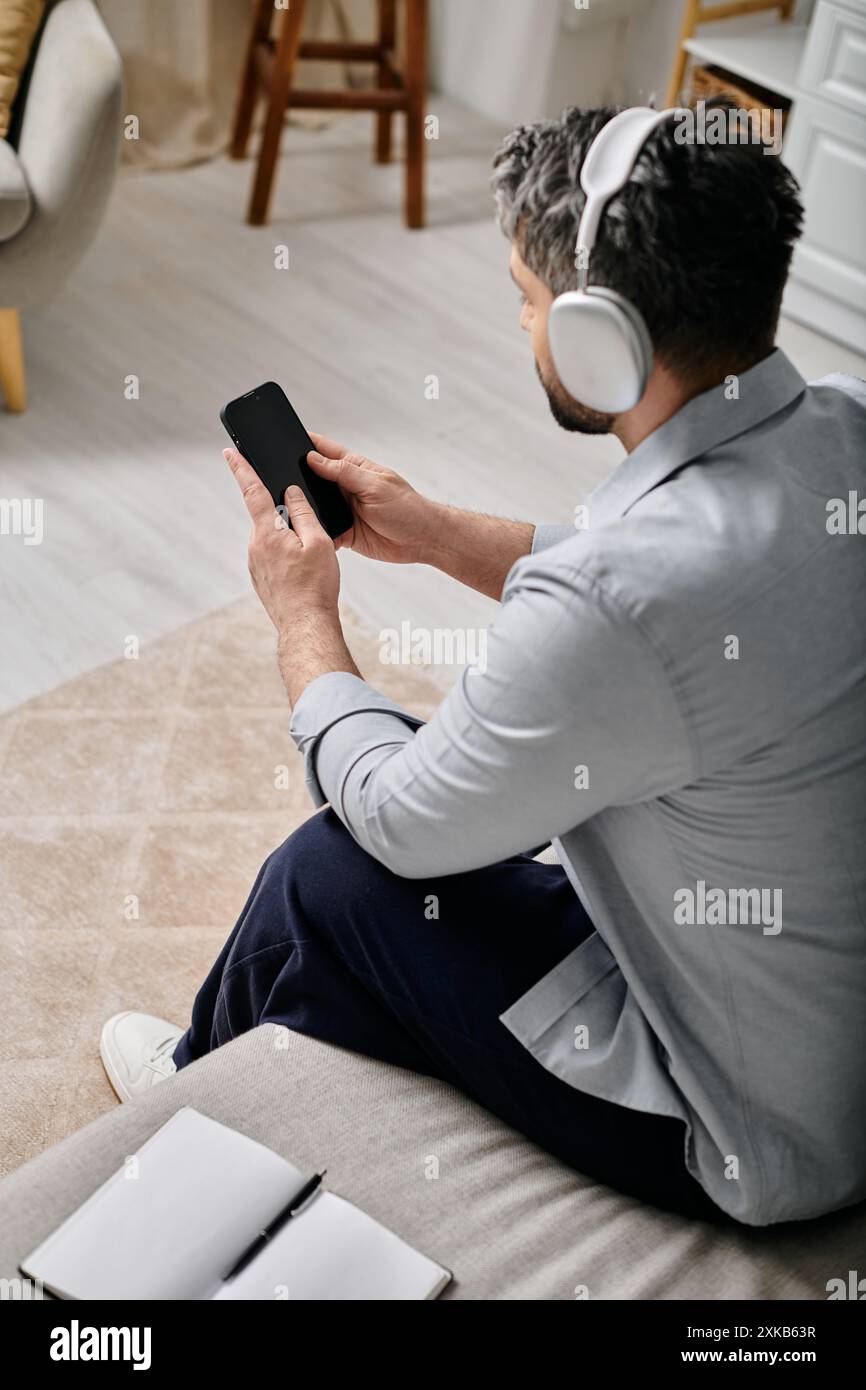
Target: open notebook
(176, 1218)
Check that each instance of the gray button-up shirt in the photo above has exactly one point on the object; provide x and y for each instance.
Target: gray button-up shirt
(676, 695)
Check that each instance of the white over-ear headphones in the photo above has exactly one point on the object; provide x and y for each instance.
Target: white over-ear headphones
(598, 340)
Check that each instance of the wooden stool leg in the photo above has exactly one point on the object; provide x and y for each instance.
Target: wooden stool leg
(416, 91)
(687, 28)
(260, 23)
(281, 81)
(387, 39)
(13, 380)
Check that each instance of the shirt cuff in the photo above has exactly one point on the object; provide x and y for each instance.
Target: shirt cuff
(550, 535)
(338, 719)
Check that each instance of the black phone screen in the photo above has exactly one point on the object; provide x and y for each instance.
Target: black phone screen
(269, 434)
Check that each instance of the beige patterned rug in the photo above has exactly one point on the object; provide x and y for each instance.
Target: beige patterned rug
(137, 804)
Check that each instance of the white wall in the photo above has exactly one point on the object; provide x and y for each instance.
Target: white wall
(495, 55)
(521, 60)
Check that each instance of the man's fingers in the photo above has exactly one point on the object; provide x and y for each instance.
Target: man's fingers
(342, 471)
(351, 473)
(255, 494)
(329, 447)
(305, 523)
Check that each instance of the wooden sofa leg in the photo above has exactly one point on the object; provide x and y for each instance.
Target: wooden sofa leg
(13, 381)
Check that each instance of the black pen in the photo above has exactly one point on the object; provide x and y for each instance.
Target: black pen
(299, 1200)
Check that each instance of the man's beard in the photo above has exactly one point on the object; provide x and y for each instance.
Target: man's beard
(569, 413)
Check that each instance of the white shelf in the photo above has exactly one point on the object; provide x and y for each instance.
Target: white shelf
(761, 50)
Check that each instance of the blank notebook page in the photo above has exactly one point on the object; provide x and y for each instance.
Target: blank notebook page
(333, 1251)
(172, 1220)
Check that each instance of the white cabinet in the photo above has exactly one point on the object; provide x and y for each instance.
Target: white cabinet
(818, 61)
(834, 63)
(825, 149)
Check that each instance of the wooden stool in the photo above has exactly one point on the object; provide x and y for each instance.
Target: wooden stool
(695, 13)
(269, 66)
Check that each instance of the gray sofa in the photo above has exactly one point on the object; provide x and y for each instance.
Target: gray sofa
(57, 168)
(507, 1219)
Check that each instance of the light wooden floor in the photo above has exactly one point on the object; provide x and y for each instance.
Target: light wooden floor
(143, 527)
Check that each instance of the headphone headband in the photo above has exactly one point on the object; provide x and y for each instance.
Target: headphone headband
(607, 168)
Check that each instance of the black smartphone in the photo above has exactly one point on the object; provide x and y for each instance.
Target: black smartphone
(270, 436)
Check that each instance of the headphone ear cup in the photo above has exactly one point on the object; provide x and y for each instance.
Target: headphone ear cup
(600, 348)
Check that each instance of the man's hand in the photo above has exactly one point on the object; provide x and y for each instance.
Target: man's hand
(392, 521)
(294, 570)
(296, 575)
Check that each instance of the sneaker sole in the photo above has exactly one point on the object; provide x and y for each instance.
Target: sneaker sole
(110, 1056)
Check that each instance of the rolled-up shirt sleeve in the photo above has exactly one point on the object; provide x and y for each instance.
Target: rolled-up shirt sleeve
(548, 534)
(371, 723)
(572, 712)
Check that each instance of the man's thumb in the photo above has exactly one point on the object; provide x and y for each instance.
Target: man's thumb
(304, 521)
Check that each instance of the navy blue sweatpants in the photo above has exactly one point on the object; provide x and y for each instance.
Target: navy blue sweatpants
(332, 944)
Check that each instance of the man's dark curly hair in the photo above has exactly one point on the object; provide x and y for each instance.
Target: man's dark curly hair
(699, 240)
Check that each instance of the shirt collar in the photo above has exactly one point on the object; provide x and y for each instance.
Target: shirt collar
(702, 424)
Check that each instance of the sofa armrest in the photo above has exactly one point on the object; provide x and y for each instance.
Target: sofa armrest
(15, 201)
(67, 147)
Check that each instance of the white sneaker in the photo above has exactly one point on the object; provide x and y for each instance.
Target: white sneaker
(136, 1052)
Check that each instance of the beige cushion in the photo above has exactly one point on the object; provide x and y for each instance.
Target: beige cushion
(19, 21)
(511, 1222)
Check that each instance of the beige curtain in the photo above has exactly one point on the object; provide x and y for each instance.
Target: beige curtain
(182, 62)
